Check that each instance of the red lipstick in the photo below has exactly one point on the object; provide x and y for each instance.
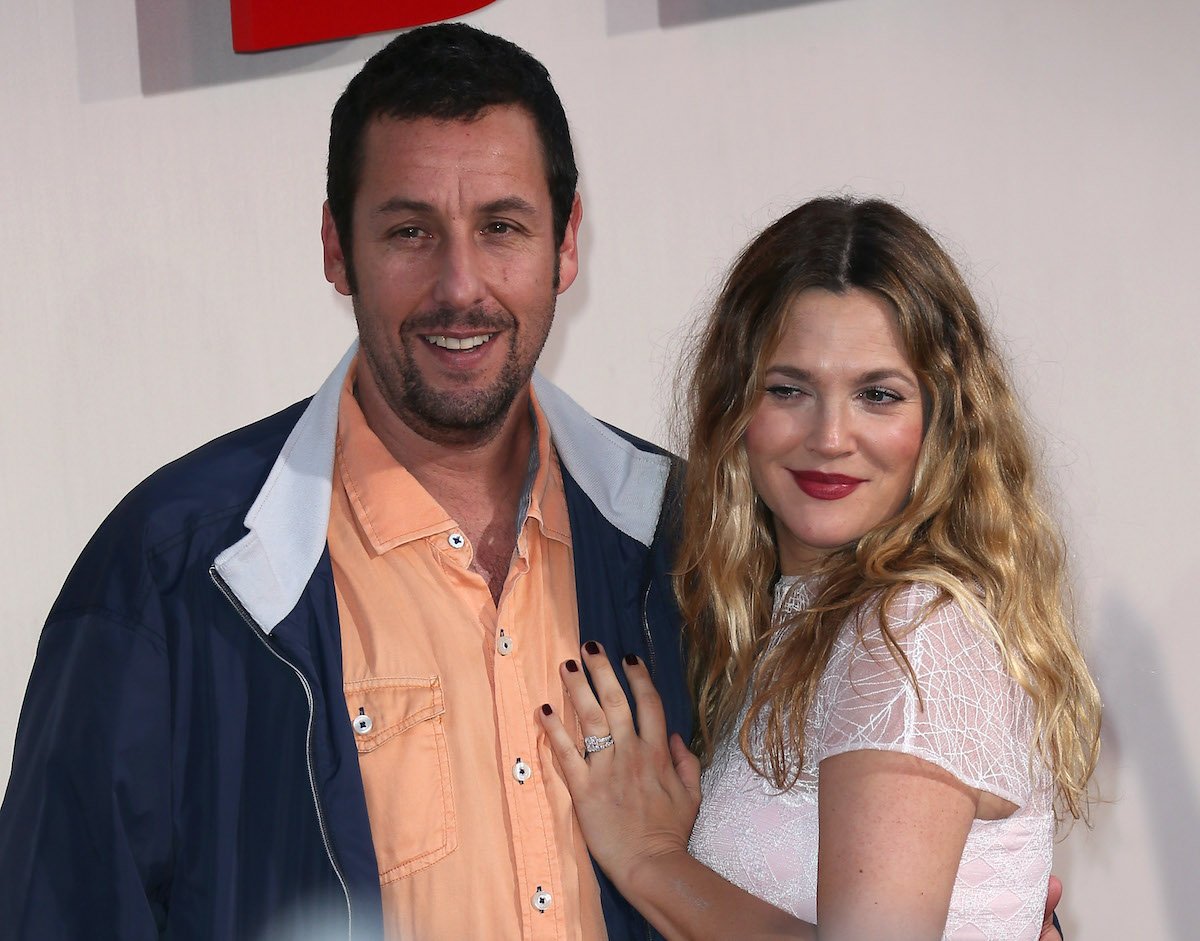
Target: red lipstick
(826, 486)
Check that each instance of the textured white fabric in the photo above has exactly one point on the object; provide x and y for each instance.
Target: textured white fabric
(977, 723)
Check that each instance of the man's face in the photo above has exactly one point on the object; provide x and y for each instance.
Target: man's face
(456, 267)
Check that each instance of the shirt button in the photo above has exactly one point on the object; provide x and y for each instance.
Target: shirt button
(363, 723)
(456, 540)
(541, 899)
(521, 771)
(505, 645)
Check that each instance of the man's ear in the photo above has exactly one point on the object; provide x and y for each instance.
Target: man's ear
(335, 259)
(568, 251)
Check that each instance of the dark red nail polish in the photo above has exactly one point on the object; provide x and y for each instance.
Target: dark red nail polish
(546, 710)
(592, 647)
(572, 666)
(631, 659)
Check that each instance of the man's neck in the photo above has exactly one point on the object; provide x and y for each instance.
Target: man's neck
(477, 480)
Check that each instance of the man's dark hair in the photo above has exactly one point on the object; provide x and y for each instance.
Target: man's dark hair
(449, 72)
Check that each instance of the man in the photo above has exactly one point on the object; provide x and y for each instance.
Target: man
(298, 669)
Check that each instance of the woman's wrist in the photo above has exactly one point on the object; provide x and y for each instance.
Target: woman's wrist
(651, 872)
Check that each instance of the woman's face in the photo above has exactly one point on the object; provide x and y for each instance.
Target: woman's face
(834, 440)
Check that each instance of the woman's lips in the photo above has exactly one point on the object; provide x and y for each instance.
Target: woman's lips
(826, 486)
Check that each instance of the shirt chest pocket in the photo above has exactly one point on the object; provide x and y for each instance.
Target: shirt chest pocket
(405, 765)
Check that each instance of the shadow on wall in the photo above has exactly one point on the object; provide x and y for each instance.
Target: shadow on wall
(1142, 733)
(152, 47)
(183, 44)
(628, 16)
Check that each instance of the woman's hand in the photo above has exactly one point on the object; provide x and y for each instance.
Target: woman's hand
(636, 801)
(1053, 897)
(637, 798)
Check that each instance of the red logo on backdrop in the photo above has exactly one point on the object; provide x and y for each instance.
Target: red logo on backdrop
(259, 25)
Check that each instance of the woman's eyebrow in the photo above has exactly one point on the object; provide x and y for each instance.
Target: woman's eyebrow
(871, 375)
(882, 375)
(791, 372)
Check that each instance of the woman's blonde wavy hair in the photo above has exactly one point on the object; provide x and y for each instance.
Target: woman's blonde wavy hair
(974, 526)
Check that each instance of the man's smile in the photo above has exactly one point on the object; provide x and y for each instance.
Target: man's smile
(458, 343)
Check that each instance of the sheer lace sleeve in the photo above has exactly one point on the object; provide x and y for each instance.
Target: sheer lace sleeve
(971, 717)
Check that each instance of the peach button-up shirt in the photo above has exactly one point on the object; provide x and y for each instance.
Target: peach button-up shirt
(472, 823)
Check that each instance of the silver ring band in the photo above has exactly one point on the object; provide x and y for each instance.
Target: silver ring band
(595, 743)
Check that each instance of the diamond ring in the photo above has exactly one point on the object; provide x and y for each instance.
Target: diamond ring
(595, 743)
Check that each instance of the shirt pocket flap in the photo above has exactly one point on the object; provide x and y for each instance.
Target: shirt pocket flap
(382, 708)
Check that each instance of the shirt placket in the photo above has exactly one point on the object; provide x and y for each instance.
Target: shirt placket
(539, 874)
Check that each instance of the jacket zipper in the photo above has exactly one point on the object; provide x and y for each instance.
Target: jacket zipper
(308, 742)
(646, 631)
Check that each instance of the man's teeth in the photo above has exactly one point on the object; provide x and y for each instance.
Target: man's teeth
(454, 343)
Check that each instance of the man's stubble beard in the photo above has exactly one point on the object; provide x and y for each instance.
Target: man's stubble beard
(469, 417)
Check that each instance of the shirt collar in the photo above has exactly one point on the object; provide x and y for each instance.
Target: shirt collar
(392, 508)
(547, 498)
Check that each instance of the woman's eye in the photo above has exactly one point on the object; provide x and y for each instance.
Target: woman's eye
(784, 392)
(877, 396)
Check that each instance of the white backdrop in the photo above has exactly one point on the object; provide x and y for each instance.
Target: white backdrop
(160, 258)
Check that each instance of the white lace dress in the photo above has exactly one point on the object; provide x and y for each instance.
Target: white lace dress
(976, 723)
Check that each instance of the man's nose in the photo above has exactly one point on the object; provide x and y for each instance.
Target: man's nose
(460, 282)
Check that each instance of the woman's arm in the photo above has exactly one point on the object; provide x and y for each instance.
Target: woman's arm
(893, 828)
(636, 802)
(687, 901)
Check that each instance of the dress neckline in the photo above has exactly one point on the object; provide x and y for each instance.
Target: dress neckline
(793, 593)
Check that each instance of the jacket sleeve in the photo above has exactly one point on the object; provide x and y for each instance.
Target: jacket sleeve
(85, 827)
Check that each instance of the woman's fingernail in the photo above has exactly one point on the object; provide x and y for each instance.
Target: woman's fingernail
(546, 710)
(572, 666)
(592, 647)
(631, 659)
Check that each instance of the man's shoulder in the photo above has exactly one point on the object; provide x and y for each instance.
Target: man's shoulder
(625, 478)
(641, 444)
(189, 507)
(227, 471)
(570, 420)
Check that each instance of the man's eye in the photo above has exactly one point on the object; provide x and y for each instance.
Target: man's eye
(407, 232)
(497, 228)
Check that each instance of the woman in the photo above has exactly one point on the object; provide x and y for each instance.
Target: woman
(891, 702)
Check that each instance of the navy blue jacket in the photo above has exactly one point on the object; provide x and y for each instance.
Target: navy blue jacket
(184, 764)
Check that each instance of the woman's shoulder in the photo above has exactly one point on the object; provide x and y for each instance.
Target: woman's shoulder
(923, 612)
(935, 641)
(950, 700)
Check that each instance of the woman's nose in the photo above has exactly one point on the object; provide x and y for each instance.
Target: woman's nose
(829, 435)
